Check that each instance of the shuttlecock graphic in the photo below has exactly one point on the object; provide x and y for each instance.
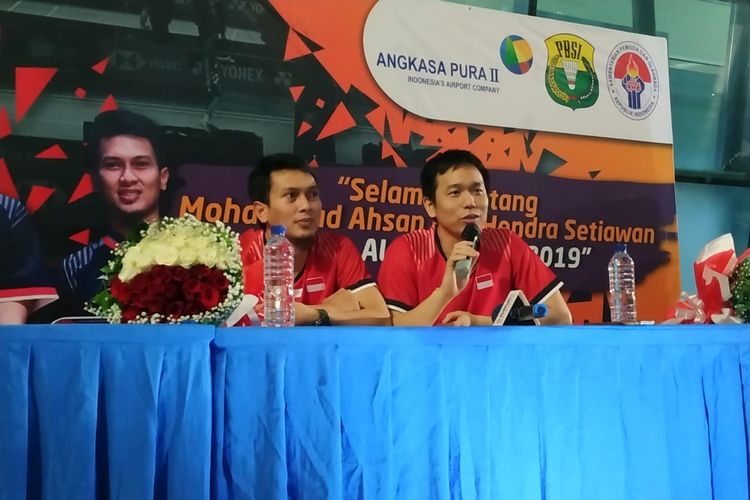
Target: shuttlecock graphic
(570, 66)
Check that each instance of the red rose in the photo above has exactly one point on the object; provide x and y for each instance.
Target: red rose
(139, 283)
(171, 291)
(120, 291)
(156, 305)
(210, 297)
(200, 271)
(176, 309)
(126, 297)
(178, 273)
(193, 307)
(156, 287)
(191, 288)
(129, 313)
(219, 280)
(147, 293)
(140, 300)
(160, 273)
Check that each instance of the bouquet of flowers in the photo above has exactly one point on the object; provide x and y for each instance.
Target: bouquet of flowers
(174, 270)
(739, 283)
(722, 283)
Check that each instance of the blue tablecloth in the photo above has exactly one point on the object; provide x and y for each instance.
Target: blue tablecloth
(103, 411)
(522, 413)
(550, 413)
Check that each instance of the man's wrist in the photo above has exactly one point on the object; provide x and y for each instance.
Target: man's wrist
(304, 314)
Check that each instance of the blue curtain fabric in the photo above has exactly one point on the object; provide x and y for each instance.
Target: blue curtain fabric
(585, 413)
(98, 411)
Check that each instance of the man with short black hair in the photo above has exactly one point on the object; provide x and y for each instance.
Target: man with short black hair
(128, 170)
(418, 278)
(331, 283)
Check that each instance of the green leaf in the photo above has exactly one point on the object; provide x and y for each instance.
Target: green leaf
(103, 299)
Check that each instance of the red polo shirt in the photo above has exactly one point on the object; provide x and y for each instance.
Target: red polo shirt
(414, 264)
(333, 263)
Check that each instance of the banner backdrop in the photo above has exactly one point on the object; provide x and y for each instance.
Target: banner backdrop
(572, 224)
(573, 121)
(594, 167)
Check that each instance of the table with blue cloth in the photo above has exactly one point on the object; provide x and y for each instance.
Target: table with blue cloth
(519, 413)
(190, 412)
(100, 411)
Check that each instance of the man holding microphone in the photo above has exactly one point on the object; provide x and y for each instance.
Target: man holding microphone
(452, 274)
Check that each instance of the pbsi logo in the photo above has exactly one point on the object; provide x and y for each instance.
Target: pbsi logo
(570, 77)
(632, 80)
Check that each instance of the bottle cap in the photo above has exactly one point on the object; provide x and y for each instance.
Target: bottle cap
(621, 247)
(278, 230)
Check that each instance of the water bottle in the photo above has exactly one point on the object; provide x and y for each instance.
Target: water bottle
(278, 280)
(622, 286)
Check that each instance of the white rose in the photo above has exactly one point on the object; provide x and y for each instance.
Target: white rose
(187, 256)
(200, 243)
(137, 258)
(127, 273)
(209, 256)
(165, 254)
(178, 241)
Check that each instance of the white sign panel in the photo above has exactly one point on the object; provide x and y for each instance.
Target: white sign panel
(450, 62)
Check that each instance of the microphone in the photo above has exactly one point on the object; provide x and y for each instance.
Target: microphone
(523, 314)
(517, 311)
(463, 267)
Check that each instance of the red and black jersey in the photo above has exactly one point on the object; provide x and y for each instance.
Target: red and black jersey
(333, 263)
(414, 264)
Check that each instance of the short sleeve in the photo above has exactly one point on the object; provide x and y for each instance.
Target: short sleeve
(79, 276)
(530, 274)
(350, 269)
(253, 278)
(23, 275)
(397, 278)
(251, 246)
(251, 253)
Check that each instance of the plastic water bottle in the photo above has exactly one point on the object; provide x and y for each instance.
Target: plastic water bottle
(278, 280)
(622, 286)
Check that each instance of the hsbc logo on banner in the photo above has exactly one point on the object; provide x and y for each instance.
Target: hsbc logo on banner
(127, 60)
(131, 61)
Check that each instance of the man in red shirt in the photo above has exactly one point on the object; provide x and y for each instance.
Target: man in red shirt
(331, 283)
(418, 278)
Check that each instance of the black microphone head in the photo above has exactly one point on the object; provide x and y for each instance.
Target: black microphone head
(470, 232)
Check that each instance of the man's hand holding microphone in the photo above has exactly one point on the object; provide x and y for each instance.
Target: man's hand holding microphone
(460, 261)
